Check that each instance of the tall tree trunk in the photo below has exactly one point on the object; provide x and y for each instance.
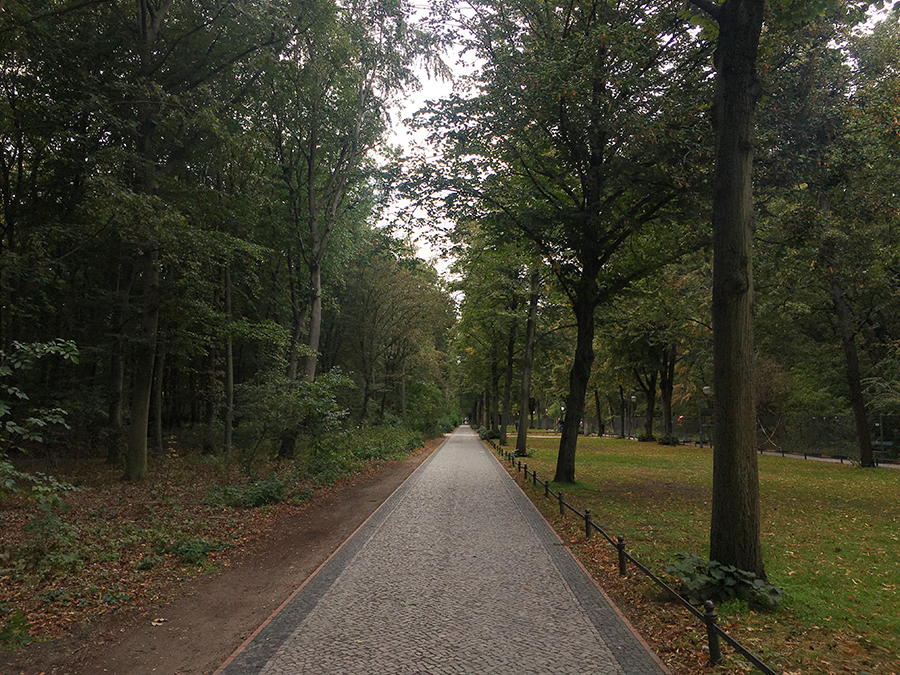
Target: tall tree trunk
(854, 382)
(315, 320)
(212, 400)
(367, 394)
(136, 456)
(115, 448)
(495, 396)
(116, 403)
(584, 305)
(149, 23)
(667, 387)
(229, 366)
(403, 390)
(648, 386)
(735, 530)
(158, 382)
(300, 315)
(506, 415)
(525, 389)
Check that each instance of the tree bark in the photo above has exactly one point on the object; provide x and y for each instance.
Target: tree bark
(667, 387)
(209, 417)
(158, 379)
(584, 305)
(136, 456)
(854, 382)
(299, 316)
(229, 366)
(506, 415)
(525, 390)
(648, 386)
(315, 320)
(735, 529)
(495, 396)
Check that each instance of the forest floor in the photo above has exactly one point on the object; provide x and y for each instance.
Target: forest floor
(187, 619)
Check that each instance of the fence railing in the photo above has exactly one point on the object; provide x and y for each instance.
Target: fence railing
(708, 617)
(808, 435)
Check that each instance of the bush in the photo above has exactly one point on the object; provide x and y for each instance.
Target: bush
(669, 439)
(50, 546)
(326, 468)
(269, 490)
(192, 551)
(14, 630)
(486, 434)
(340, 454)
(277, 408)
(703, 580)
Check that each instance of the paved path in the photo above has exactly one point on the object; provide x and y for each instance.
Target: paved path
(456, 573)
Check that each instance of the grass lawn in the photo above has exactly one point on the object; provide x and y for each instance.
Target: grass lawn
(831, 539)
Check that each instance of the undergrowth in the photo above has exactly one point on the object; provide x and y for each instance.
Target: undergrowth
(69, 554)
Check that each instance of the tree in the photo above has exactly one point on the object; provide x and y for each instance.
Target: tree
(828, 177)
(578, 138)
(494, 275)
(323, 110)
(393, 313)
(527, 361)
(734, 532)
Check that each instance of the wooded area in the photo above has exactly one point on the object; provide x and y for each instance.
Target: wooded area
(200, 243)
(190, 200)
(609, 147)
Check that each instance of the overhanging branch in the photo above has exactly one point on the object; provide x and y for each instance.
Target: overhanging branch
(709, 7)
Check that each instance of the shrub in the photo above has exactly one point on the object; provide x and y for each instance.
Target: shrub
(50, 546)
(668, 439)
(14, 630)
(703, 580)
(269, 490)
(486, 434)
(191, 551)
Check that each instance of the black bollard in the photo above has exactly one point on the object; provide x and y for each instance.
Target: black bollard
(620, 546)
(711, 619)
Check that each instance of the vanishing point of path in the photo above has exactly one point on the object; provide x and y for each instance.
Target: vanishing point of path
(456, 573)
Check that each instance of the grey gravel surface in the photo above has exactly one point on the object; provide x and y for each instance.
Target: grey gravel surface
(455, 573)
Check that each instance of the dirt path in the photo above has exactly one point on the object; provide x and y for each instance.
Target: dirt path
(207, 618)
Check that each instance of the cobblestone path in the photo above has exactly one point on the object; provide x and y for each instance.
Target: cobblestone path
(455, 573)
